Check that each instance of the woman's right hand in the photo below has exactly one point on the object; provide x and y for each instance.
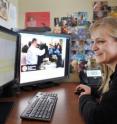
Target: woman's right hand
(87, 89)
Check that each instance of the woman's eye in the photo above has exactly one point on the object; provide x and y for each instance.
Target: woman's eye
(100, 41)
(92, 42)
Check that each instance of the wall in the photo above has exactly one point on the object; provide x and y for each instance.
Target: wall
(15, 3)
(56, 8)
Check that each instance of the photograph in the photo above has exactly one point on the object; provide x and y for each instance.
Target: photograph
(37, 19)
(82, 18)
(31, 22)
(4, 6)
(100, 9)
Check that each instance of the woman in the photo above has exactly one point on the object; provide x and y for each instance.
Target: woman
(96, 107)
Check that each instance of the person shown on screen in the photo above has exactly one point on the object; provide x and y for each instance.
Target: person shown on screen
(100, 106)
(33, 53)
(58, 53)
(45, 55)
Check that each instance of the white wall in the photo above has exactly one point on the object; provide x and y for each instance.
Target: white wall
(57, 8)
(15, 2)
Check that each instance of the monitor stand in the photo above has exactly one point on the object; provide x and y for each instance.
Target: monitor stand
(48, 84)
(40, 86)
(5, 108)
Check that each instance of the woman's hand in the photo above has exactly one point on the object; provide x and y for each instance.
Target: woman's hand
(87, 89)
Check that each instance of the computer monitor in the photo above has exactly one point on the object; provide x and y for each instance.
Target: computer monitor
(50, 63)
(8, 51)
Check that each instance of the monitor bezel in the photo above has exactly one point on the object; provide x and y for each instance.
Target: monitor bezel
(67, 65)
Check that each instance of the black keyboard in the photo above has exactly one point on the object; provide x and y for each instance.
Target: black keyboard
(41, 107)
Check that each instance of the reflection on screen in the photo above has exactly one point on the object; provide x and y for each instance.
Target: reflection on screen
(49, 65)
(7, 57)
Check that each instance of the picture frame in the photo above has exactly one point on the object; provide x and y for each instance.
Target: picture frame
(4, 7)
(100, 9)
(37, 19)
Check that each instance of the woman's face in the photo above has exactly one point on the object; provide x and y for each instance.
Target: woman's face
(104, 46)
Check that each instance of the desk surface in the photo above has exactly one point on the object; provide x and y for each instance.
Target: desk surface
(66, 111)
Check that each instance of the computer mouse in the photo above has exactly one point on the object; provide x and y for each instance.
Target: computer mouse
(78, 91)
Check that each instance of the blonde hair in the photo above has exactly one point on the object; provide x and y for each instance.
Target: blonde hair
(106, 73)
(110, 25)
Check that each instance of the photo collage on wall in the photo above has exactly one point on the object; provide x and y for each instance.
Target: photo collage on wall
(76, 25)
(81, 42)
(67, 23)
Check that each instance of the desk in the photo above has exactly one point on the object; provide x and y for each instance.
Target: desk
(66, 111)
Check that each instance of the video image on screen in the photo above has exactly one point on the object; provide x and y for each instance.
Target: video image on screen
(43, 57)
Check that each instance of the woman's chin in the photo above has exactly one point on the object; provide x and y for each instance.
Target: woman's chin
(99, 61)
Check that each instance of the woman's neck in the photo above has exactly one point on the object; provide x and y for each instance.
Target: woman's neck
(112, 66)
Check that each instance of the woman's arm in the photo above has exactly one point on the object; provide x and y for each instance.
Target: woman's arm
(103, 112)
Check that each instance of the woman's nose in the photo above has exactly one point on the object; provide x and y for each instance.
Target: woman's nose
(94, 46)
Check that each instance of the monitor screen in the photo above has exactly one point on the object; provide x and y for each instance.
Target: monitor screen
(44, 57)
(8, 48)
